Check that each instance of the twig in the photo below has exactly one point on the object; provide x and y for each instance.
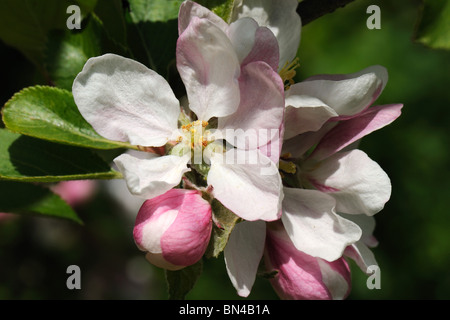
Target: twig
(310, 10)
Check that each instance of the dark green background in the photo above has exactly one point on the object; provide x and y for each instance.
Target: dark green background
(413, 229)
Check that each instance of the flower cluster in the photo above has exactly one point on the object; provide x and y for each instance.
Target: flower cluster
(280, 156)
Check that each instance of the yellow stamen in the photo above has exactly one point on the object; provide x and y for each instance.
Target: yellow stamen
(287, 73)
(288, 167)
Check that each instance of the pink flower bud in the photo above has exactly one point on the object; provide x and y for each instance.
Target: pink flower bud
(174, 228)
(75, 192)
(301, 276)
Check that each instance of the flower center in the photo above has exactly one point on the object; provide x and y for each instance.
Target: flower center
(287, 73)
(195, 134)
(193, 138)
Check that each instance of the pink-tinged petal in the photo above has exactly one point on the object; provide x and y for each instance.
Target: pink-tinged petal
(247, 183)
(123, 100)
(359, 184)
(336, 277)
(265, 48)
(314, 227)
(300, 144)
(300, 276)
(174, 228)
(253, 43)
(304, 113)
(280, 17)
(242, 36)
(362, 255)
(189, 9)
(347, 94)
(272, 150)
(260, 111)
(360, 251)
(243, 254)
(153, 219)
(149, 178)
(186, 240)
(209, 68)
(367, 225)
(75, 192)
(349, 131)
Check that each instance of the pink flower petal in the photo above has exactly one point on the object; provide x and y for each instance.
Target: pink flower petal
(190, 9)
(187, 238)
(209, 67)
(349, 131)
(261, 107)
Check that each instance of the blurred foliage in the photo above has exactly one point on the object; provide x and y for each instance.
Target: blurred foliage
(413, 229)
(434, 27)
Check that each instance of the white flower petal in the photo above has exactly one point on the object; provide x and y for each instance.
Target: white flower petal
(247, 183)
(358, 183)
(304, 113)
(362, 256)
(347, 94)
(313, 225)
(243, 254)
(280, 17)
(209, 68)
(190, 9)
(149, 178)
(123, 100)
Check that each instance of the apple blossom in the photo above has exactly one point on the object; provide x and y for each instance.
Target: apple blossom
(146, 114)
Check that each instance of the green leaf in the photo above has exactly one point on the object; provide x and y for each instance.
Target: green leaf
(67, 51)
(225, 220)
(153, 23)
(434, 27)
(154, 10)
(86, 6)
(24, 24)
(26, 198)
(182, 281)
(223, 8)
(28, 159)
(51, 114)
(111, 14)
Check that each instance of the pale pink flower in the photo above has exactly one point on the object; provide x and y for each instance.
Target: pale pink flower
(174, 228)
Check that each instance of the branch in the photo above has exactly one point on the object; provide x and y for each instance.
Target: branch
(310, 10)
